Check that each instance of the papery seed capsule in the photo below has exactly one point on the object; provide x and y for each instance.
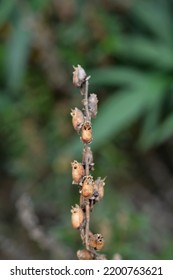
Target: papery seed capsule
(87, 187)
(89, 154)
(96, 241)
(86, 134)
(79, 76)
(77, 119)
(84, 255)
(99, 188)
(77, 171)
(77, 216)
(92, 105)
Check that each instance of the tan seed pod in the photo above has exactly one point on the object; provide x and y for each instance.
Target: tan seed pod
(77, 119)
(87, 187)
(99, 188)
(84, 255)
(96, 241)
(77, 171)
(77, 216)
(79, 76)
(86, 134)
(92, 105)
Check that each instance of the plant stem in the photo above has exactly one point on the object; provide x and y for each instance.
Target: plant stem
(87, 206)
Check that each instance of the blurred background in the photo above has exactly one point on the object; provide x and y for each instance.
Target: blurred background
(127, 48)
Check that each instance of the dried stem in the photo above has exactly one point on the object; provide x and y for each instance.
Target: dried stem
(90, 191)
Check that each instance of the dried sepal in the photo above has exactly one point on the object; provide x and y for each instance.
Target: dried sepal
(77, 119)
(99, 188)
(77, 172)
(87, 187)
(86, 132)
(79, 76)
(84, 255)
(96, 241)
(92, 104)
(77, 216)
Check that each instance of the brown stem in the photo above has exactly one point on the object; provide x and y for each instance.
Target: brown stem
(87, 207)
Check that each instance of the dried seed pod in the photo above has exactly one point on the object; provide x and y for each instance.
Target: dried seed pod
(79, 76)
(96, 241)
(99, 188)
(77, 171)
(92, 105)
(77, 216)
(86, 134)
(84, 255)
(89, 155)
(87, 186)
(77, 119)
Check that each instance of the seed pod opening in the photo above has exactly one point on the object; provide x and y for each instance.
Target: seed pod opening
(79, 76)
(77, 216)
(86, 134)
(77, 171)
(87, 187)
(77, 119)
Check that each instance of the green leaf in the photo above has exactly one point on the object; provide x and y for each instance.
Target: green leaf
(156, 17)
(113, 76)
(146, 51)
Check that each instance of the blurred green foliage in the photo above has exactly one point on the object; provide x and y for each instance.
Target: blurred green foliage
(126, 47)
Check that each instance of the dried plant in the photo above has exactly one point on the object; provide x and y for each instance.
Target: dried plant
(90, 190)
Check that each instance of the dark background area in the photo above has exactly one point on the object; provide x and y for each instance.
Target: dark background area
(127, 48)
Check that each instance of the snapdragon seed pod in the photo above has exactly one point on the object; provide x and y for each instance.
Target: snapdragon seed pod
(92, 105)
(77, 119)
(87, 187)
(79, 76)
(99, 188)
(77, 171)
(96, 241)
(77, 216)
(86, 133)
(84, 255)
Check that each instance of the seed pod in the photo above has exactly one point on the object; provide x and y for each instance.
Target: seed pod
(79, 76)
(92, 105)
(96, 241)
(84, 255)
(89, 157)
(99, 188)
(77, 119)
(86, 134)
(87, 186)
(77, 171)
(77, 216)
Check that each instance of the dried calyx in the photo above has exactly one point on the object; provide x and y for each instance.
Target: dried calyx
(90, 190)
